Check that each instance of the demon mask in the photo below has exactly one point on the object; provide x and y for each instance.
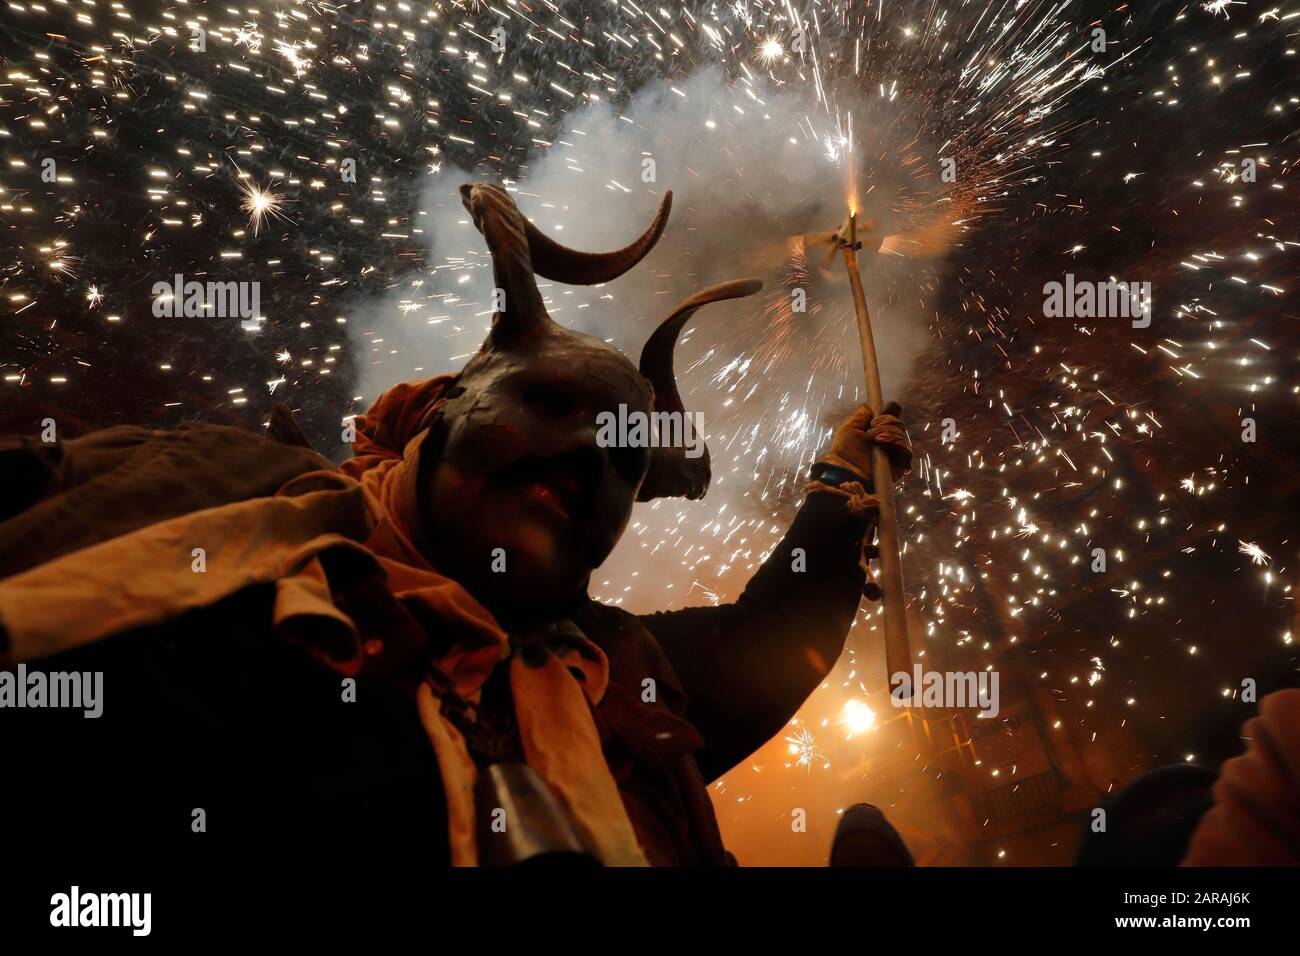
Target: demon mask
(519, 429)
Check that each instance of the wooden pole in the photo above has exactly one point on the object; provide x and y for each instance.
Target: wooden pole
(898, 652)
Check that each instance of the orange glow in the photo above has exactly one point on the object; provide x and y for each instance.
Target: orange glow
(857, 717)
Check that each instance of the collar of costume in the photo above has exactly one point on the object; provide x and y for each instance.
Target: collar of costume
(556, 673)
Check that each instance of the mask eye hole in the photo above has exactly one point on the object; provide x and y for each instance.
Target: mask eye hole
(550, 400)
(629, 463)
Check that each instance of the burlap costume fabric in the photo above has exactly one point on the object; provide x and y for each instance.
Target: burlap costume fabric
(293, 539)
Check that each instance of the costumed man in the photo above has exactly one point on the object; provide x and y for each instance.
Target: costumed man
(403, 648)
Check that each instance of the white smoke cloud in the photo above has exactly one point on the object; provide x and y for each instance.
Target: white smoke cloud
(748, 171)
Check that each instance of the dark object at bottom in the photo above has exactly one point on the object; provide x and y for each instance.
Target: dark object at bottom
(521, 822)
(1150, 822)
(865, 838)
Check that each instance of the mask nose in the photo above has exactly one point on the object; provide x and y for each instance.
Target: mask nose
(568, 404)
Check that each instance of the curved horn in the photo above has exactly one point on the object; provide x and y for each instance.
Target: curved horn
(505, 229)
(554, 261)
(672, 473)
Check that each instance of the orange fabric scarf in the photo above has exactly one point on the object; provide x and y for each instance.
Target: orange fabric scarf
(553, 708)
(147, 577)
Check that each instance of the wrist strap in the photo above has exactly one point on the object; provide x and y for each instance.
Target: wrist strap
(834, 475)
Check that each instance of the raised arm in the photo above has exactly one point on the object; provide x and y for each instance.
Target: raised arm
(746, 667)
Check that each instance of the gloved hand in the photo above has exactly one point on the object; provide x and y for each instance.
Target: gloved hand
(851, 447)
